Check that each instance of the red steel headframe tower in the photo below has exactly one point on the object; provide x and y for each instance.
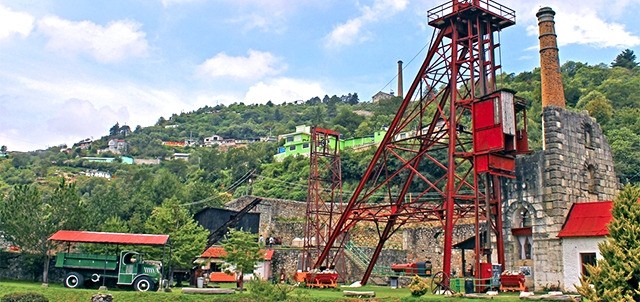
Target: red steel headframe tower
(324, 199)
(454, 136)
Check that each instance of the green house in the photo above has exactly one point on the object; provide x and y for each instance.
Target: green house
(299, 142)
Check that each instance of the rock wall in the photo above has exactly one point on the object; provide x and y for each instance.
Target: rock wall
(576, 165)
(23, 266)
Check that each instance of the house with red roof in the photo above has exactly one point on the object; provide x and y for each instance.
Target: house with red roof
(584, 228)
(212, 263)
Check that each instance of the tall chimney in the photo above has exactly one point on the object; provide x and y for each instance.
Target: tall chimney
(400, 79)
(552, 90)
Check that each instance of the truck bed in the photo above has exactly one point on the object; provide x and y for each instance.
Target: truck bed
(86, 261)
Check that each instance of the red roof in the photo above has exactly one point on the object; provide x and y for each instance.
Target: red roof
(113, 238)
(218, 252)
(587, 219)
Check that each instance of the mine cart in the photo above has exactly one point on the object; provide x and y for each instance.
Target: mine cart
(512, 282)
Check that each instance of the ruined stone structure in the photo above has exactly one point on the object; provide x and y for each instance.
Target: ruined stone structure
(575, 165)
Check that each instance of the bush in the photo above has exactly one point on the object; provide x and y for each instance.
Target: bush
(24, 297)
(261, 290)
(418, 286)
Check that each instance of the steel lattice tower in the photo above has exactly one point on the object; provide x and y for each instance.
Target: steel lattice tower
(450, 142)
(324, 199)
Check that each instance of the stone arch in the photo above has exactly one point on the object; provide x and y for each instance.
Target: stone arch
(519, 225)
(511, 211)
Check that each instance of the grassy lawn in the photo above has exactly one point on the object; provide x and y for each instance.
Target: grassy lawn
(57, 293)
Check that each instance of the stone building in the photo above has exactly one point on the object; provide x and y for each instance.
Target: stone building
(575, 165)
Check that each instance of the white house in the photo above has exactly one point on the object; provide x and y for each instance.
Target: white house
(584, 228)
(213, 140)
(212, 259)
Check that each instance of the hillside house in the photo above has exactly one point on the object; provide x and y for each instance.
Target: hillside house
(213, 140)
(381, 96)
(212, 262)
(117, 146)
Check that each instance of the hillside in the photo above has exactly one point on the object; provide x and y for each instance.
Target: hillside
(213, 175)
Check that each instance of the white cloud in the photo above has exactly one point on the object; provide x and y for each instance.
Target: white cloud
(590, 30)
(350, 32)
(261, 21)
(283, 90)
(594, 23)
(167, 3)
(14, 23)
(67, 110)
(80, 118)
(114, 42)
(256, 65)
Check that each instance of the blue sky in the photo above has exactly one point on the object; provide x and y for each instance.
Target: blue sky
(70, 69)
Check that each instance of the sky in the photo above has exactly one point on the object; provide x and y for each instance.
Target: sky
(71, 69)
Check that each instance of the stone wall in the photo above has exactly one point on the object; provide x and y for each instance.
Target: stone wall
(23, 266)
(425, 244)
(576, 165)
(273, 211)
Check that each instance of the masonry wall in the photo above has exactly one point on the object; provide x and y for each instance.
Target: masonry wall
(576, 165)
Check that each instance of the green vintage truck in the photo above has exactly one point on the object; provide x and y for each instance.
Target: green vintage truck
(127, 270)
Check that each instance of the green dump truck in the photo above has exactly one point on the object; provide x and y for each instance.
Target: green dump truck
(127, 270)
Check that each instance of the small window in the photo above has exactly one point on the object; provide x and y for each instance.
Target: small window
(289, 138)
(587, 258)
(305, 145)
(215, 267)
(588, 136)
(591, 178)
(292, 148)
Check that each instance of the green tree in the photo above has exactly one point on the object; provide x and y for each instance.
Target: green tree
(617, 275)
(243, 253)
(188, 238)
(28, 217)
(625, 145)
(114, 130)
(601, 109)
(626, 59)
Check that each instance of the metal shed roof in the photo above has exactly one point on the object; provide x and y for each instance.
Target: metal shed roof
(113, 238)
(588, 219)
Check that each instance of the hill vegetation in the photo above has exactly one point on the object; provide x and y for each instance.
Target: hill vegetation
(126, 201)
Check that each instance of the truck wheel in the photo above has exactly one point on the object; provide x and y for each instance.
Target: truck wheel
(143, 284)
(73, 280)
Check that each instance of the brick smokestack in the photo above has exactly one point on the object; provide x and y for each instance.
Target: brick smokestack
(552, 90)
(400, 79)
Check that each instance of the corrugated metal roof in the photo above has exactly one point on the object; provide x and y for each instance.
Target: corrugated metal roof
(113, 238)
(587, 219)
(218, 252)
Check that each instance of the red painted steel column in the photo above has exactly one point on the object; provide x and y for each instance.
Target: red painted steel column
(451, 172)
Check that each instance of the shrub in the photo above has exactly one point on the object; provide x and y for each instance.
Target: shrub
(418, 286)
(24, 297)
(261, 290)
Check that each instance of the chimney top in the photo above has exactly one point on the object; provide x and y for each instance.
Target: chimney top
(545, 11)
